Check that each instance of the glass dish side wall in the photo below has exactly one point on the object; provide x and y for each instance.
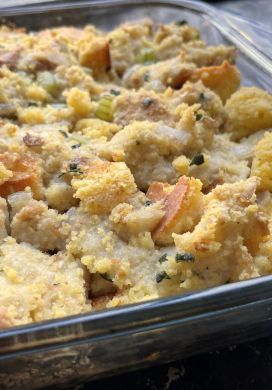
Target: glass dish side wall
(56, 352)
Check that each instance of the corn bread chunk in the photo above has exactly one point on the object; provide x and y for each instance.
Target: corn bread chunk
(223, 163)
(248, 110)
(148, 148)
(104, 186)
(130, 267)
(45, 287)
(95, 54)
(227, 237)
(262, 162)
(223, 79)
(138, 216)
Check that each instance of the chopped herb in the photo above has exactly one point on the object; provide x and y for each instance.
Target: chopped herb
(114, 92)
(148, 203)
(106, 277)
(56, 284)
(64, 133)
(73, 167)
(181, 22)
(75, 146)
(147, 101)
(137, 143)
(184, 257)
(62, 174)
(32, 104)
(161, 275)
(202, 97)
(198, 159)
(163, 258)
(146, 76)
(198, 116)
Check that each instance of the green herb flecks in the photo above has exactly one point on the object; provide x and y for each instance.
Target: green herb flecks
(73, 168)
(184, 257)
(198, 159)
(160, 276)
(163, 258)
(148, 203)
(114, 92)
(64, 133)
(202, 98)
(76, 146)
(198, 116)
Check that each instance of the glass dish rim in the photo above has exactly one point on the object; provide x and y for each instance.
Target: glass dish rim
(242, 293)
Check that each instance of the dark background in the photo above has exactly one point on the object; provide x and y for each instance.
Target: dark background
(241, 367)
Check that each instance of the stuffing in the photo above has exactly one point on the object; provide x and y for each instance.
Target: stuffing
(193, 93)
(39, 226)
(146, 148)
(203, 55)
(223, 79)
(158, 76)
(222, 163)
(223, 243)
(95, 54)
(80, 102)
(248, 110)
(128, 38)
(45, 287)
(131, 168)
(103, 186)
(128, 221)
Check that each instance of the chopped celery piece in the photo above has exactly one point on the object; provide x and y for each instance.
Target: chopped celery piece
(146, 56)
(104, 110)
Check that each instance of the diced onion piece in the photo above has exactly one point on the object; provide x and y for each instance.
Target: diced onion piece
(105, 110)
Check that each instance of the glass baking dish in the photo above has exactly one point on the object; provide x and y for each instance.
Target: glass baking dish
(89, 346)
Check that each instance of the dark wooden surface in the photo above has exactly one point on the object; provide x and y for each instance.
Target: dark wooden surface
(243, 367)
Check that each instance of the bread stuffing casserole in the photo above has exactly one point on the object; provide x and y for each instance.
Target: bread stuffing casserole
(132, 166)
